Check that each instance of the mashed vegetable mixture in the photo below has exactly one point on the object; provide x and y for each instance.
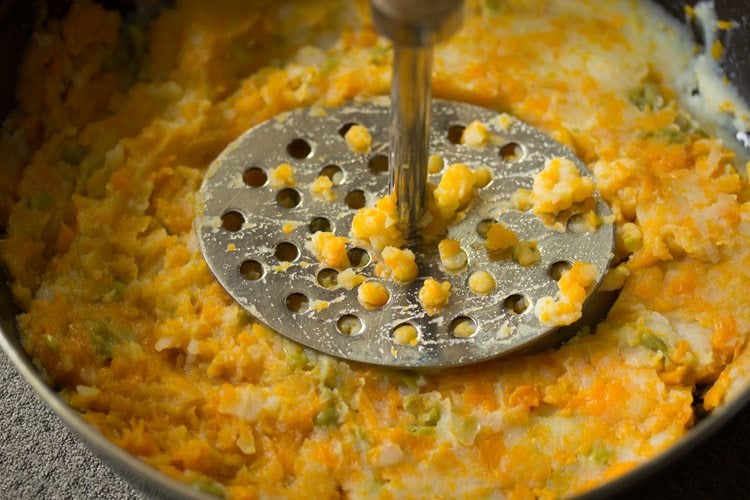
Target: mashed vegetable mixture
(116, 124)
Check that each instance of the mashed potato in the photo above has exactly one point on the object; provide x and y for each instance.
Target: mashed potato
(559, 186)
(105, 154)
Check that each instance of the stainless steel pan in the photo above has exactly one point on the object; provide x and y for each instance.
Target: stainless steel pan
(659, 478)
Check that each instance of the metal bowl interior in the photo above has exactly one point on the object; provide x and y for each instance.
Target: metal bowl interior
(17, 19)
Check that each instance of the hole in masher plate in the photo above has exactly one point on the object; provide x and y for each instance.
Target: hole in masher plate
(358, 257)
(484, 226)
(406, 334)
(299, 149)
(328, 278)
(320, 224)
(286, 252)
(345, 128)
(251, 270)
(378, 164)
(463, 327)
(334, 173)
(297, 302)
(557, 269)
(516, 304)
(254, 177)
(355, 199)
(455, 133)
(577, 224)
(349, 324)
(288, 198)
(511, 152)
(232, 221)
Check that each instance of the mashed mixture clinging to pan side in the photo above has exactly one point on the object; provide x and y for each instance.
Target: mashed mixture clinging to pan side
(116, 124)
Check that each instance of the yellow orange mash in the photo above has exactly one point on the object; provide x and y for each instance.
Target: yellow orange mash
(482, 283)
(281, 176)
(330, 249)
(349, 279)
(451, 255)
(500, 237)
(434, 295)
(615, 278)
(483, 176)
(323, 187)
(526, 253)
(358, 138)
(104, 155)
(435, 164)
(455, 190)
(559, 186)
(475, 135)
(378, 225)
(372, 295)
(566, 308)
(319, 305)
(406, 335)
(400, 264)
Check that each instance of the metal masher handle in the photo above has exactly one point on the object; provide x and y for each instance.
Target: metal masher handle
(414, 26)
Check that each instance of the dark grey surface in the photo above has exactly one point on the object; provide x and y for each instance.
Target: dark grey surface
(39, 457)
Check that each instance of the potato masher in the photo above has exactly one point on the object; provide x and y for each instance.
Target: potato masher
(255, 237)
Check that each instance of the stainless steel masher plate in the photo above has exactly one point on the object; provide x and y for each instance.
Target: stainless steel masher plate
(274, 275)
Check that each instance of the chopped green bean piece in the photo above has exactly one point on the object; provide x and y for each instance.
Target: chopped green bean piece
(51, 342)
(296, 355)
(601, 455)
(654, 343)
(211, 487)
(327, 416)
(422, 430)
(646, 96)
(466, 429)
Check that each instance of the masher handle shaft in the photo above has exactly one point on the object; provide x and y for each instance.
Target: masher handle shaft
(411, 100)
(414, 26)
